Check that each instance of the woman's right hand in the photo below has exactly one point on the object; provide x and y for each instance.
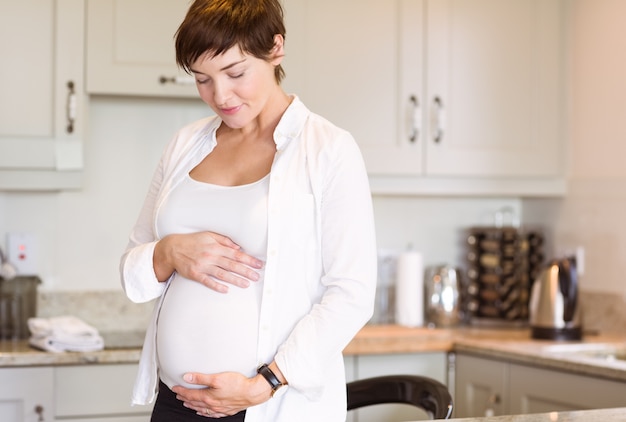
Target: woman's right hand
(206, 257)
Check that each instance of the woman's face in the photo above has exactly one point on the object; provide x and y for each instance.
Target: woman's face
(237, 86)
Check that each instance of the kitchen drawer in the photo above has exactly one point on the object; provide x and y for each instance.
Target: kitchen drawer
(101, 391)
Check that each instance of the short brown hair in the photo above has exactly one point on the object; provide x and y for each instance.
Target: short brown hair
(215, 26)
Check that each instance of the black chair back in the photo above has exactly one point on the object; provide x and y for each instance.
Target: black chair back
(423, 392)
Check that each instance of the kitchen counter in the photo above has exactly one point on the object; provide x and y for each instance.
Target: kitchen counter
(601, 415)
(120, 347)
(512, 345)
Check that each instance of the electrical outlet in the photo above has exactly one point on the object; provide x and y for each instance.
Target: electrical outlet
(22, 253)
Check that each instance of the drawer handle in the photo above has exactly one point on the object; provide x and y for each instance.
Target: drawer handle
(177, 80)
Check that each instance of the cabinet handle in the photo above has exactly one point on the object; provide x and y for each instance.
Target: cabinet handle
(415, 118)
(39, 411)
(439, 117)
(177, 80)
(70, 107)
(493, 400)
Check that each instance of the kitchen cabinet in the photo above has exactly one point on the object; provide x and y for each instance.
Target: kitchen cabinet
(481, 387)
(125, 60)
(432, 365)
(537, 390)
(42, 106)
(26, 394)
(77, 393)
(443, 96)
(487, 386)
(107, 398)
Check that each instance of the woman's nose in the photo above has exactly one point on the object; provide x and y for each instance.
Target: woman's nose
(221, 93)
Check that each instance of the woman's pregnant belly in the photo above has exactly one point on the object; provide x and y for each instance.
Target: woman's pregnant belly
(200, 330)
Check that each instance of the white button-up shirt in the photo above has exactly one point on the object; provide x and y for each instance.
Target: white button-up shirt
(320, 273)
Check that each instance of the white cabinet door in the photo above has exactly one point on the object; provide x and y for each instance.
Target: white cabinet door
(437, 92)
(349, 60)
(481, 387)
(26, 394)
(130, 48)
(86, 392)
(494, 88)
(485, 385)
(42, 119)
(535, 390)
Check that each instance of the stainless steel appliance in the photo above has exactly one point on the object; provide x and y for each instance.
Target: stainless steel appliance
(18, 302)
(554, 307)
(442, 295)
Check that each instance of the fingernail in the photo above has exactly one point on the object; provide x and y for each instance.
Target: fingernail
(188, 377)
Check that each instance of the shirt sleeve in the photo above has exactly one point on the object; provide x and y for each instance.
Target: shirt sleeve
(136, 267)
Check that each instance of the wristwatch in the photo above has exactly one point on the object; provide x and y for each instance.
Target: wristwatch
(277, 386)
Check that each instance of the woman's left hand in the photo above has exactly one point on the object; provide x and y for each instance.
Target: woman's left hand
(226, 394)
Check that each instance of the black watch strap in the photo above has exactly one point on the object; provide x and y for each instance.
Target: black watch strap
(270, 376)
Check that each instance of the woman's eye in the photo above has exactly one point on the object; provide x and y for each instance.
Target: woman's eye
(237, 75)
(201, 81)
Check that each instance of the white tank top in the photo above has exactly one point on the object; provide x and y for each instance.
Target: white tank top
(198, 329)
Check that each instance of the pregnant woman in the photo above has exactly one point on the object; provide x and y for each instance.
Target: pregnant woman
(256, 236)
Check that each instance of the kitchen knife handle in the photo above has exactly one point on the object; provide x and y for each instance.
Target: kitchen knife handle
(439, 119)
(415, 119)
(70, 107)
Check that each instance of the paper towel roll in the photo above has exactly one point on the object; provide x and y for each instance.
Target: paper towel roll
(410, 289)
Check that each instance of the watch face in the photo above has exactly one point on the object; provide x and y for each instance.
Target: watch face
(279, 391)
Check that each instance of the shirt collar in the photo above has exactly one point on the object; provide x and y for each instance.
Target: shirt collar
(291, 123)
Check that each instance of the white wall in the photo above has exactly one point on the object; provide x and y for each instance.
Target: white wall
(593, 213)
(82, 234)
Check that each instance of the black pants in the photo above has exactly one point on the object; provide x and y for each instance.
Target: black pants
(169, 409)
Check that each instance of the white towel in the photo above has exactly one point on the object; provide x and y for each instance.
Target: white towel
(64, 333)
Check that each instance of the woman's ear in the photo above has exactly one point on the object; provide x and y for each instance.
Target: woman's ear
(278, 51)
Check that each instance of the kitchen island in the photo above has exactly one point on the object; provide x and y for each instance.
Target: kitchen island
(600, 415)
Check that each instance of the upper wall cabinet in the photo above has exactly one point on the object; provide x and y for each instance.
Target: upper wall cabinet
(443, 96)
(42, 109)
(130, 48)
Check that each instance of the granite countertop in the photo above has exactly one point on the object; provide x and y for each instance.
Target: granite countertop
(120, 347)
(601, 415)
(510, 344)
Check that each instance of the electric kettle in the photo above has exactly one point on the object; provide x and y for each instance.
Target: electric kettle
(554, 309)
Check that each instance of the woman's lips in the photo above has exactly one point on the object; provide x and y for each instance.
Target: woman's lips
(230, 110)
